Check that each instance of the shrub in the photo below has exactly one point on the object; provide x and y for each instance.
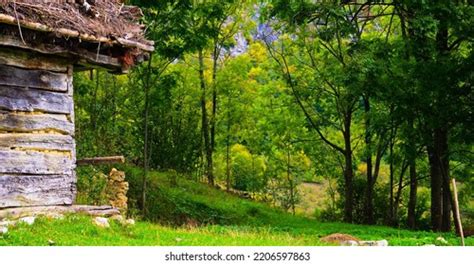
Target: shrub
(91, 184)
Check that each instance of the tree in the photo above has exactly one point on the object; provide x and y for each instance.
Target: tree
(436, 37)
(171, 41)
(322, 31)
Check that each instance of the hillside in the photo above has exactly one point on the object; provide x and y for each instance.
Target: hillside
(209, 217)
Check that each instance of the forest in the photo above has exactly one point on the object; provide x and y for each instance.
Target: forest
(371, 102)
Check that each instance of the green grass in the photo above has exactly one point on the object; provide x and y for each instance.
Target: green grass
(223, 220)
(79, 231)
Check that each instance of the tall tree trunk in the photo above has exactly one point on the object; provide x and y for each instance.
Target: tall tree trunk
(392, 182)
(411, 219)
(205, 123)
(441, 133)
(227, 161)
(448, 195)
(436, 189)
(441, 196)
(369, 200)
(398, 195)
(391, 143)
(215, 57)
(348, 170)
(227, 142)
(381, 149)
(446, 220)
(145, 147)
(94, 104)
(290, 181)
(443, 154)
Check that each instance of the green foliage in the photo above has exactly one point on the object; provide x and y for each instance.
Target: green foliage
(107, 120)
(191, 203)
(91, 186)
(288, 107)
(248, 171)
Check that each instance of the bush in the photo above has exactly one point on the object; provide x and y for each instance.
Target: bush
(91, 184)
(381, 205)
(248, 170)
(171, 204)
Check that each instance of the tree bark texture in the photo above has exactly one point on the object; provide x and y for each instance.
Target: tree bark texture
(348, 170)
(205, 123)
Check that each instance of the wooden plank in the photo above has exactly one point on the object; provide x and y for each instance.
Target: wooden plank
(33, 141)
(135, 44)
(36, 162)
(31, 190)
(21, 122)
(101, 160)
(13, 76)
(15, 213)
(24, 99)
(70, 85)
(16, 42)
(83, 57)
(31, 60)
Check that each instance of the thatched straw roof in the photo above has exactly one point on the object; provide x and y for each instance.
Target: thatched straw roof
(106, 27)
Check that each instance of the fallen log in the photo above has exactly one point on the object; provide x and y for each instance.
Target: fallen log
(16, 213)
(101, 160)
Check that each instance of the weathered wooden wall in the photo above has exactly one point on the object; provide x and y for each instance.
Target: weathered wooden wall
(37, 148)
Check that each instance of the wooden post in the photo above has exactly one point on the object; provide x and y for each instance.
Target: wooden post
(458, 215)
(101, 160)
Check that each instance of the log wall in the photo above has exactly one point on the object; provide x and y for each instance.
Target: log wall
(37, 148)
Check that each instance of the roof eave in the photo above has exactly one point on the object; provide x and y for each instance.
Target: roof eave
(147, 46)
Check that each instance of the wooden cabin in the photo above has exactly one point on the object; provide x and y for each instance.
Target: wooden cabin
(41, 44)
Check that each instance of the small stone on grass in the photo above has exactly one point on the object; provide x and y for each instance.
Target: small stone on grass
(30, 220)
(101, 222)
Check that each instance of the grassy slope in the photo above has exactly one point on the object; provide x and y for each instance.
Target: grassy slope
(230, 221)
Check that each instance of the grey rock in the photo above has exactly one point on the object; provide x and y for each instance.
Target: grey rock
(350, 243)
(101, 222)
(380, 243)
(30, 220)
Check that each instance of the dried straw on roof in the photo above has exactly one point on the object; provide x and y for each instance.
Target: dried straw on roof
(93, 21)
